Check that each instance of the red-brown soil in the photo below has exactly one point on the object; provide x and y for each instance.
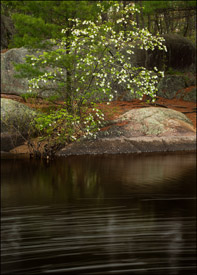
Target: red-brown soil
(116, 108)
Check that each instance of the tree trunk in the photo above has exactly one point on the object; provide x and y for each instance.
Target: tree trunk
(124, 25)
(142, 15)
(187, 19)
(149, 22)
(137, 16)
(68, 80)
(167, 22)
(156, 26)
(104, 17)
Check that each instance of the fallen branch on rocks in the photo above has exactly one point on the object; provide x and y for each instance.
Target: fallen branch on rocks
(188, 112)
(157, 104)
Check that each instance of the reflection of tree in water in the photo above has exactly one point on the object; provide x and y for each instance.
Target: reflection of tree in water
(86, 180)
(98, 177)
(70, 180)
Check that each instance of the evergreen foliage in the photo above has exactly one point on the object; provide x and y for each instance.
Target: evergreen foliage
(41, 20)
(36, 21)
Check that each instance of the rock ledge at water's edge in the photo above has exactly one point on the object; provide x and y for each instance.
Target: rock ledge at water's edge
(130, 145)
(142, 130)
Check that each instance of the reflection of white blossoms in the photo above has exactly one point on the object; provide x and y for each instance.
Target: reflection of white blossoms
(11, 241)
(175, 245)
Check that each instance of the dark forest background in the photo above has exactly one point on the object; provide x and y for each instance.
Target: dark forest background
(27, 23)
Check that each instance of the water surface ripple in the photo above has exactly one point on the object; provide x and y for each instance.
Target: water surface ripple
(99, 215)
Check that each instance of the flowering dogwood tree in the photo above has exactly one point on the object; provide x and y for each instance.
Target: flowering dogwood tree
(92, 56)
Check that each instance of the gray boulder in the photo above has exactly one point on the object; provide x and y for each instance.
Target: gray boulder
(155, 121)
(188, 94)
(16, 121)
(180, 55)
(169, 85)
(141, 130)
(178, 86)
(190, 79)
(9, 83)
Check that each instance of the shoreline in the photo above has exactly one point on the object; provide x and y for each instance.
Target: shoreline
(118, 146)
(123, 145)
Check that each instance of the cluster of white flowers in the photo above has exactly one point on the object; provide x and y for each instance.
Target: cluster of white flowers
(120, 20)
(35, 83)
(100, 56)
(33, 58)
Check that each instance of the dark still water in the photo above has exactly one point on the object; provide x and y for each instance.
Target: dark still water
(126, 214)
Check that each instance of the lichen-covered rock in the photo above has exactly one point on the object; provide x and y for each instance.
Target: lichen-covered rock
(190, 79)
(140, 130)
(16, 121)
(169, 85)
(15, 115)
(153, 121)
(9, 83)
(188, 94)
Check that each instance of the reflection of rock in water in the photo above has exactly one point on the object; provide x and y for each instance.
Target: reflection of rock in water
(146, 170)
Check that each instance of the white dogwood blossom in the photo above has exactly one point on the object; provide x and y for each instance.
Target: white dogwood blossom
(88, 62)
